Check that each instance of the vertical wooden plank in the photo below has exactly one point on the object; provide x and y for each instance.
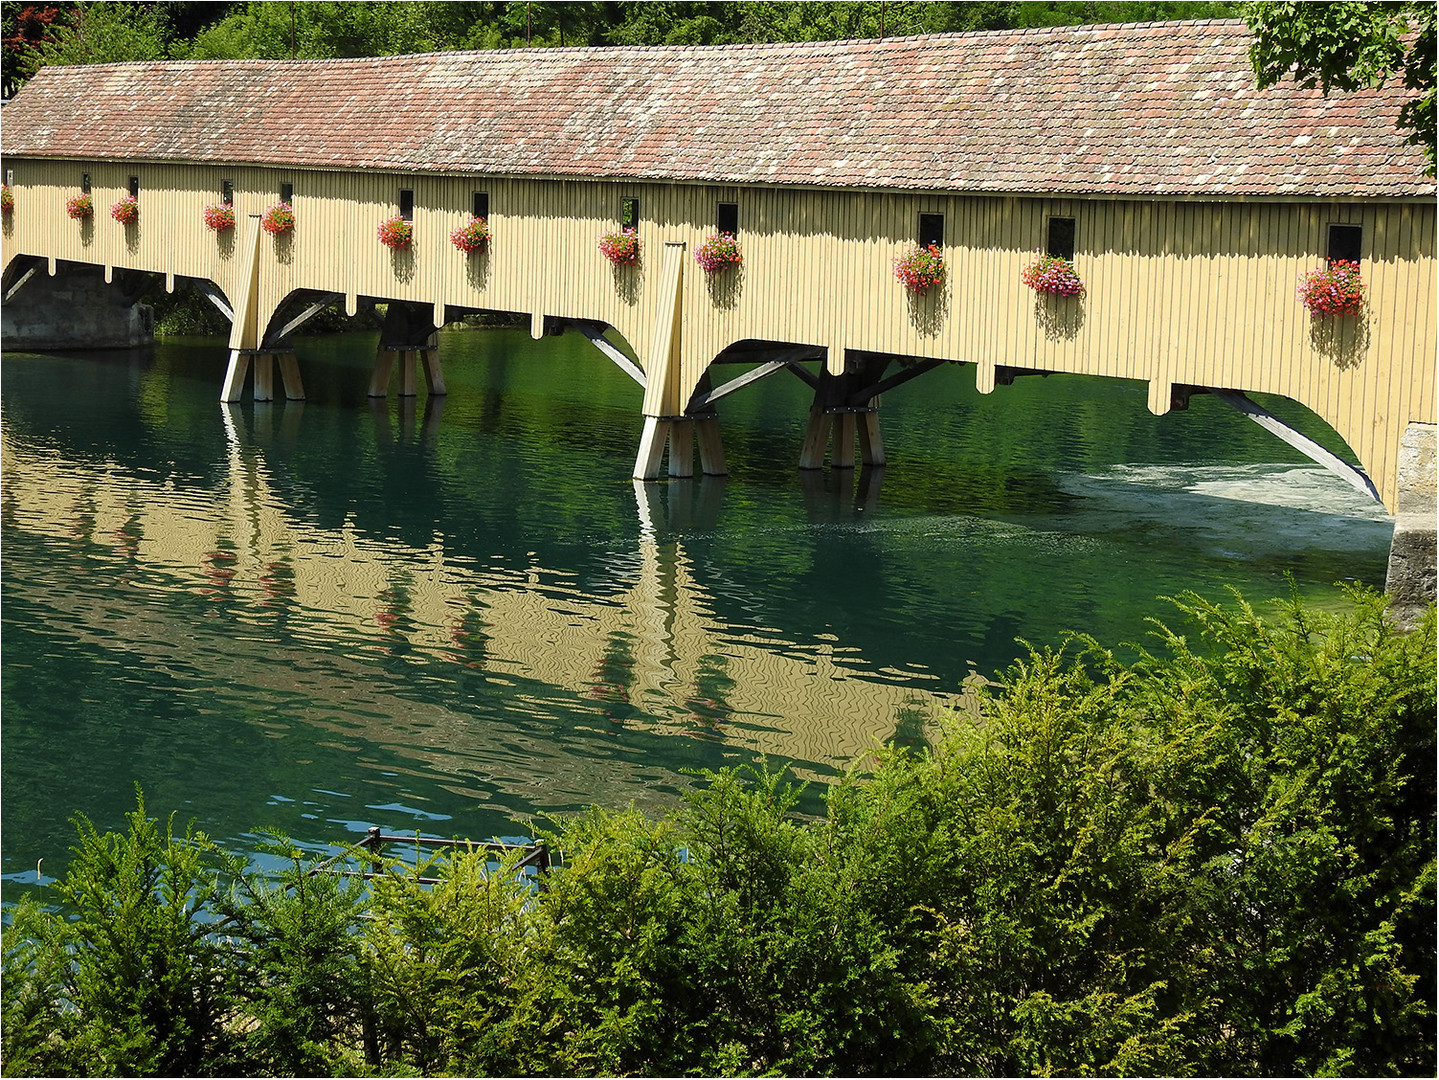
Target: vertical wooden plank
(1419, 263)
(682, 447)
(234, 383)
(434, 373)
(816, 438)
(661, 364)
(870, 440)
(264, 385)
(712, 459)
(409, 383)
(290, 376)
(380, 375)
(652, 448)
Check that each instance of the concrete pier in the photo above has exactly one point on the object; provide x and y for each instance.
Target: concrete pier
(1410, 583)
(78, 309)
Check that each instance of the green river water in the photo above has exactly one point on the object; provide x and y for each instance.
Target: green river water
(455, 616)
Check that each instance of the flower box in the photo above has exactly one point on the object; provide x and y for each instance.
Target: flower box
(471, 236)
(220, 217)
(396, 233)
(80, 206)
(126, 211)
(920, 268)
(1052, 274)
(717, 253)
(279, 219)
(1335, 289)
(7, 200)
(621, 248)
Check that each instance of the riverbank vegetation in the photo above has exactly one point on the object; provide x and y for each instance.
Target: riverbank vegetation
(1215, 859)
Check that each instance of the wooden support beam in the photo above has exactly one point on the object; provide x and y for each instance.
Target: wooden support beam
(1351, 474)
(899, 378)
(652, 448)
(662, 368)
(17, 267)
(682, 448)
(380, 375)
(306, 315)
(765, 354)
(871, 444)
(290, 375)
(20, 282)
(212, 294)
(805, 375)
(434, 376)
(244, 331)
(842, 454)
(409, 382)
(621, 361)
(703, 401)
(712, 461)
(816, 438)
(264, 365)
(235, 375)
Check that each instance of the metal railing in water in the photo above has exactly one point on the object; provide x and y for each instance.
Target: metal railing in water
(536, 856)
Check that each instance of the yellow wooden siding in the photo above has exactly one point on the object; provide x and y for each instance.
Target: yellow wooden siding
(1177, 292)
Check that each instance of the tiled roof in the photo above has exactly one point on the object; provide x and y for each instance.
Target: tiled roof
(1133, 109)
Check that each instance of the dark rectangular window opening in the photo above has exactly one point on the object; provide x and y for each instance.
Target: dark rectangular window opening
(630, 214)
(134, 187)
(85, 183)
(1060, 239)
(287, 193)
(727, 218)
(480, 205)
(407, 204)
(1344, 242)
(931, 230)
(227, 192)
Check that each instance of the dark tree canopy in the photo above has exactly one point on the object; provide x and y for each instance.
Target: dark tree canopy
(1346, 45)
(99, 31)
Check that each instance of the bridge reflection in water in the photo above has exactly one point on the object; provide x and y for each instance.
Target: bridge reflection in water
(651, 654)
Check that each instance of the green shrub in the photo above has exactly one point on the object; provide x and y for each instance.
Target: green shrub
(442, 962)
(603, 988)
(1217, 859)
(134, 978)
(1216, 862)
(304, 991)
(32, 1024)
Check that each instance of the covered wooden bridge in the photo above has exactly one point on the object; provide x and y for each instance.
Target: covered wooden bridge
(1190, 204)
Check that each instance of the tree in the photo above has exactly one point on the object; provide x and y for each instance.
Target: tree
(104, 33)
(317, 31)
(1349, 44)
(24, 31)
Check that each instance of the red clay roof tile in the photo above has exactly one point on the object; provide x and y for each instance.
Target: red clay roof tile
(1149, 108)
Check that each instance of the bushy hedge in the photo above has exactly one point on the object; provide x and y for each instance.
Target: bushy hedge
(1218, 859)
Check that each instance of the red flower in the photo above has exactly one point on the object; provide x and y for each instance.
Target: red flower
(1335, 289)
(621, 248)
